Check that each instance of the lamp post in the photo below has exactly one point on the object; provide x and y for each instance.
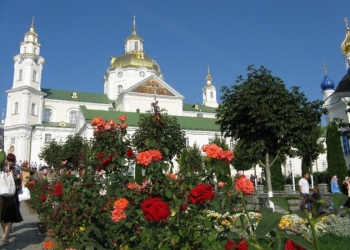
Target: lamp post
(292, 169)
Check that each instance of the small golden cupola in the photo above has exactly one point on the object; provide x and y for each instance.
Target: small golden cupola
(208, 77)
(345, 46)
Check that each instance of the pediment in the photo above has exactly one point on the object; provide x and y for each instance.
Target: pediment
(153, 86)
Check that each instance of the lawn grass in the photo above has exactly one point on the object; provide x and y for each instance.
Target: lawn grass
(329, 242)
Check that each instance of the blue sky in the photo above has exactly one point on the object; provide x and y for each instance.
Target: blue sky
(291, 38)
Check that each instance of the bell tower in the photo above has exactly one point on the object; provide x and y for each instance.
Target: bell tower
(28, 63)
(209, 93)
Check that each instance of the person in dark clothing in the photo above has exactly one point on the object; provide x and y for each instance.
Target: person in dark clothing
(345, 190)
(10, 210)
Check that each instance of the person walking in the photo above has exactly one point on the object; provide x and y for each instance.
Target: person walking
(10, 211)
(304, 188)
(334, 189)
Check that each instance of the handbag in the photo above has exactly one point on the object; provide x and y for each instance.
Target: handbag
(24, 194)
(7, 184)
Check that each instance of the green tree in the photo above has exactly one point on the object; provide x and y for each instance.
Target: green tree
(73, 150)
(335, 155)
(244, 159)
(163, 134)
(191, 159)
(277, 179)
(51, 154)
(265, 116)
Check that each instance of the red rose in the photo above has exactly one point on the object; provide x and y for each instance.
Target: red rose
(43, 197)
(230, 245)
(155, 209)
(244, 185)
(242, 245)
(58, 189)
(31, 185)
(106, 162)
(201, 193)
(290, 245)
(183, 207)
(129, 153)
(100, 155)
(212, 150)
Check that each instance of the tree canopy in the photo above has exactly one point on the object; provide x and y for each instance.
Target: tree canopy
(266, 117)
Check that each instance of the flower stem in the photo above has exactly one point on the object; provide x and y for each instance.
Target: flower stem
(313, 230)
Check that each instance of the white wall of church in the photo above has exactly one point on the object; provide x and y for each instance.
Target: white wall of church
(61, 108)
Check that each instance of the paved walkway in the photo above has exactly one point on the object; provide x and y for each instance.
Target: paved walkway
(26, 235)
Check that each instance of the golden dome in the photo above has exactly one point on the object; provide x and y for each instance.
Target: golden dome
(134, 60)
(345, 46)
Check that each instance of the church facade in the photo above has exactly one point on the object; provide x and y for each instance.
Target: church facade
(133, 81)
(36, 115)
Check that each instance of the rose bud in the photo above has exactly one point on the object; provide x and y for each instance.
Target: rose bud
(183, 207)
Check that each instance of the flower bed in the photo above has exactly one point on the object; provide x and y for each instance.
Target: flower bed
(165, 210)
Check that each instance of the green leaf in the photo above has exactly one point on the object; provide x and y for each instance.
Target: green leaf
(152, 143)
(279, 244)
(207, 223)
(176, 238)
(121, 161)
(281, 202)
(216, 205)
(168, 193)
(266, 211)
(338, 200)
(268, 223)
(166, 151)
(233, 236)
(212, 235)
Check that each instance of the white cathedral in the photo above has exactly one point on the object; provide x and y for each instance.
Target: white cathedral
(36, 115)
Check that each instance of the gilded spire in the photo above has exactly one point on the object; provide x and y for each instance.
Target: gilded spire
(208, 76)
(345, 46)
(133, 33)
(325, 68)
(32, 26)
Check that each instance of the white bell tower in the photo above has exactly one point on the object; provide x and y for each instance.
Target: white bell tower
(209, 93)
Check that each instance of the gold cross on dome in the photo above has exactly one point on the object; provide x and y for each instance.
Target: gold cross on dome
(346, 22)
(325, 68)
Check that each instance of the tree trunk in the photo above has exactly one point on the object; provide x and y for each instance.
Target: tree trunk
(312, 176)
(268, 179)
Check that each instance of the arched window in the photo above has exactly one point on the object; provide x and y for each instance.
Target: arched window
(73, 116)
(136, 46)
(34, 75)
(15, 110)
(20, 75)
(47, 115)
(120, 89)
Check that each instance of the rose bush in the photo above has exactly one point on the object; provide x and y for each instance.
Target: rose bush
(105, 208)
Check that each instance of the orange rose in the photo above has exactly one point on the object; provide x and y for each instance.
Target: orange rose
(98, 121)
(132, 185)
(122, 118)
(212, 150)
(123, 126)
(48, 245)
(244, 185)
(112, 124)
(172, 176)
(144, 158)
(121, 204)
(156, 155)
(118, 215)
(226, 155)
